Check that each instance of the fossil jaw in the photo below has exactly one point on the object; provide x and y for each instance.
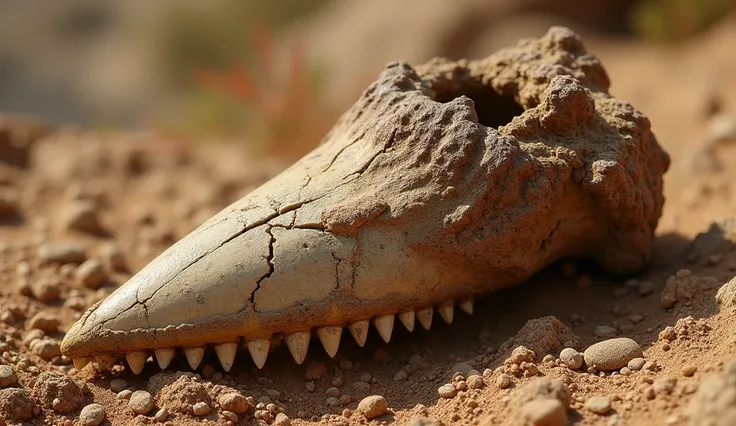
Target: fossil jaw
(417, 200)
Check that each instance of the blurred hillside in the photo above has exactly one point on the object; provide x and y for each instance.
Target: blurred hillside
(273, 71)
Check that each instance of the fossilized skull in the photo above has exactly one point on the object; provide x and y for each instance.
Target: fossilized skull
(440, 183)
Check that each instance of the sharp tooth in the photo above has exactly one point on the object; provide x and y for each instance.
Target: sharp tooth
(407, 318)
(446, 311)
(467, 306)
(385, 325)
(194, 356)
(425, 317)
(258, 349)
(105, 362)
(80, 363)
(164, 357)
(359, 330)
(330, 338)
(136, 361)
(226, 354)
(298, 344)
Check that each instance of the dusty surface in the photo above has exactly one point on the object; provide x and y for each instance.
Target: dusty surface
(148, 194)
(411, 179)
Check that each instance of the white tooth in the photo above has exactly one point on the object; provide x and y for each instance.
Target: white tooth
(226, 353)
(194, 356)
(298, 344)
(105, 362)
(330, 338)
(164, 357)
(258, 349)
(425, 317)
(385, 325)
(446, 311)
(80, 363)
(359, 330)
(467, 306)
(136, 361)
(407, 318)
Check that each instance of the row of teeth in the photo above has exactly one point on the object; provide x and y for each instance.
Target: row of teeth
(298, 342)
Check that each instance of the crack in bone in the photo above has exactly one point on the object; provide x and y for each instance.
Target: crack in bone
(271, 266)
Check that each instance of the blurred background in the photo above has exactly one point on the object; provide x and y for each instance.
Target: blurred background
(274, 74)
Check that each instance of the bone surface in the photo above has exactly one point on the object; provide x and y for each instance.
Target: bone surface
(444, 181)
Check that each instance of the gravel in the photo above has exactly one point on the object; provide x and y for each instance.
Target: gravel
(612, 354)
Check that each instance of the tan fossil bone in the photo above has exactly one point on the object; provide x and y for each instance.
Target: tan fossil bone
(439, 184)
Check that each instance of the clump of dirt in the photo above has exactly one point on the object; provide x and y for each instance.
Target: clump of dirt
(58, 392)
(16, 405)
(178, 392)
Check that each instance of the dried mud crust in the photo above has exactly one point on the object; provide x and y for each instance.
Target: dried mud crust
(467, 177)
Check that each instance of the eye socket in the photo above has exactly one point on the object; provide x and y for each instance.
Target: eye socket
(493, 110)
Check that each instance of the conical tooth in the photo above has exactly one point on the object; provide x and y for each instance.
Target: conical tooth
(194, 356)
(467, 306)
(258, 349)
(359, 330)
(425, 317)
(330, 338)
(80, 363)
(407, 318)
(226, 353)
(385, 325)
(446, 311)
(136, 361)
(105, 362)
(298, 344)
(164, 356)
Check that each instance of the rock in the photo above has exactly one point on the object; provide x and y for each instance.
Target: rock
(636, 364)
(46, 348)
(163, 414)
(45, 321)
(543, 336)
(714, 403)
(462, 368)
(233, 401)
(8, 377)
(141, 402)
(373, 406)
(117, 385)
(201, 409)
(447, 391)
(646, 288)
(114, 258)
(503, 381)
(475, 382)
(684, 286)
(59, 392)
(82, 216)
(605, 332)
(61, 253)
(283, 420)
(612, 354)
(91, 274)
(720, 238)
(519, 355)
(16, 405)
(598, 404)
(543, 412)
(92, 415)
(571, 358)
(46, 291)
(726, 296)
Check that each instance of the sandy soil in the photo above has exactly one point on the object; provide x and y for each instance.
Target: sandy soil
(117, 200)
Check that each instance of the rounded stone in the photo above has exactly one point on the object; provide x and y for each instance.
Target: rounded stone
(233, 401)
(447, 391)
(141, 402)
(612, 354)
(598, 404)
(201, 409)
(373, 406)
(282, 420)
(571, 358)
(8, 377)
(92, 415)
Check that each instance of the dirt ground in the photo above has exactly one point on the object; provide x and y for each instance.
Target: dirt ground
(117, 200)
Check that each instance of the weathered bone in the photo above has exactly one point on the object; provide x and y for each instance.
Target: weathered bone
(439, 184)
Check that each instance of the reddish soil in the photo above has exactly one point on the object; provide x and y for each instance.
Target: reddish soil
(146, 193)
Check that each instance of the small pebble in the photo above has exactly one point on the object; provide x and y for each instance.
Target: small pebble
(230, 416)
(125, 394)
(46, 291)
(201, 409)
(92, 415)
(400, 376)
(373, 406)
(162, 415)
(544, 412)
(687, 370)
(282, 420)
(605, 332)
(91, 274)
(116, 385)
(646, 288)
(141, 402)
(503, 381)
(571, 358)
(45, 321)
(598, 404)
(612, 354)
(447, 391)
(82, 216)
(61, 253)
(233, 401)
(475, 382)
(636, 364)
(8, 377)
